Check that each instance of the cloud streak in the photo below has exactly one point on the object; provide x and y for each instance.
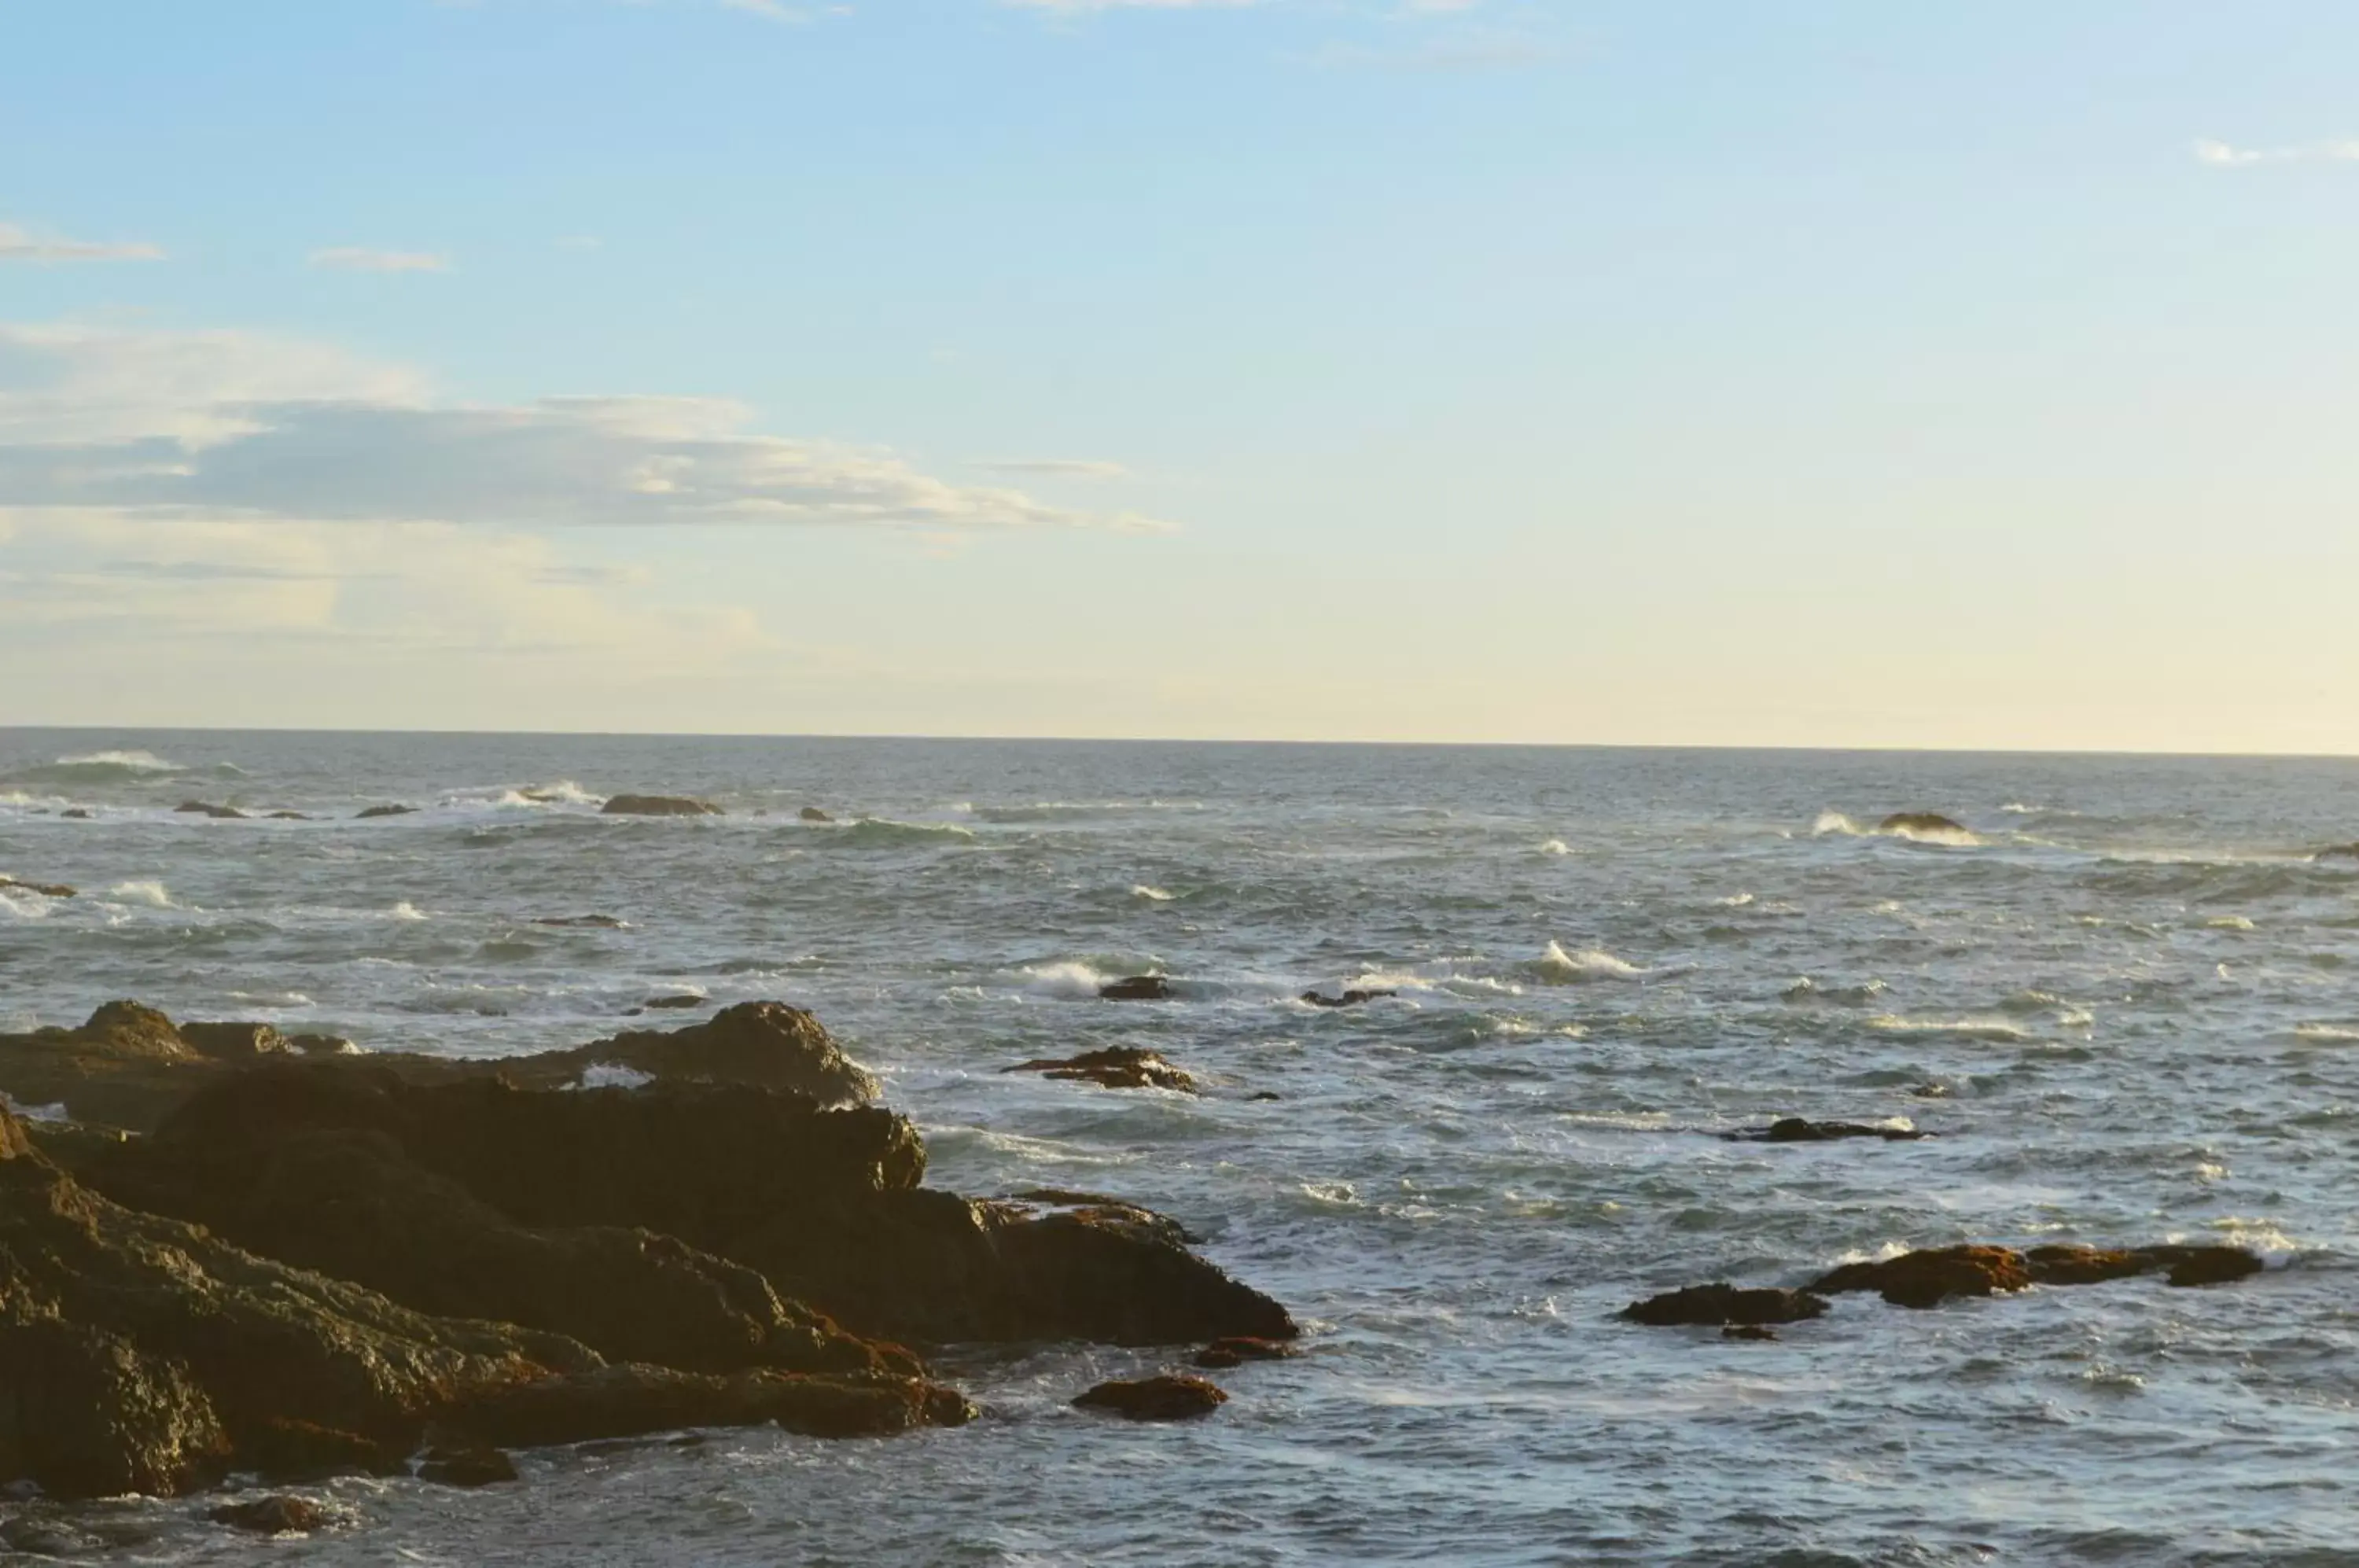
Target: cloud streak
(2224, 155)
(20, 244)
(360, 258)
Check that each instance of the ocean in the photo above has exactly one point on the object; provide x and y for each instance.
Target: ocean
(2121, 994)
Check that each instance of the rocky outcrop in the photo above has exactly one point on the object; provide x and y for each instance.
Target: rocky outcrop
(370, 813)
(680, 1001)
(1238, 1349)
(768, 1044)
(657, 806)
(279, 1515)
(1348, 999)
(813, 814)
(204, 809)
(1920, 823)
(1797, 1129)
(46, 890)
(1722, 1303)
(1928, 1277)
(1159, 1398)
(634, 1401)
(1117, 1067)
(1136, 988)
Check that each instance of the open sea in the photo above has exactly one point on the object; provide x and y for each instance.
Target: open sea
(2126, 997)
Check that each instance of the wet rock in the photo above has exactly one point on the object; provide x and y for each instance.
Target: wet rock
(299, 1452)
(2338, 852)
(680, 1001)
(367, 812)
(1164, 1398)
(234, 1041)
(1796, 1129)
(658, 806)
(1749, 1331)
(46, 890)
(1136, 988)
(1348, 999)
(632, 1401)
(465, 1463)
(1096, 1208)
(813, 814)
(586, 922)
(321, 1045)
(123, 1068)
(77, 814)
(2058, 1265)
(1929, 1277)
(272, 1516)
(202, 809)
(1117, 1067)
(1265, 1095)
(1920, 823)
(1238, 1349)
(1721, 1303)
(765, 1043)
(2206, 1265)
(289, 817)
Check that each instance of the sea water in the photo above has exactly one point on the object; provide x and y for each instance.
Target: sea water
(2123, 995)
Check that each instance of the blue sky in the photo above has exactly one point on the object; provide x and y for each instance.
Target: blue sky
(1787, 374)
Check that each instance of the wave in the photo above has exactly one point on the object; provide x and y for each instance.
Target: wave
(612, 1075)
(101, 768)
(155, 895)
(1152, 895)
(1556, 847)
(25, 906)
(1837, 823)
(2328, 1034)
(2229, 922)
(1998, 1029)
(406, 911)
(1734, 901)
(1556, 967)
(1073, 978)
(1807, 992)
(886, 831)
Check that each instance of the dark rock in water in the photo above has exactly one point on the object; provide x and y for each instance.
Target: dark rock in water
(632, 1401)
(1265, 1095)
(1707, 1305)
(272, 1516)
(1920, 823)
(77, 814)
(46, 890)
(1137, 989)
(365, 812)
(1238, 1349)
(1749, 1331)
(658, 806)
(1159, 1398)
(2207, 1265)
(2338, 852)
(681, 1000)
(201, 809)
(1928, 1277)
(592, 923)
(234, 1042)
(1796, 1129)
(813, 814)
(1348, 999)
(296, 1451)
(1117, 1067)
(2058, 1264)
(448, 1464)
(289, 817)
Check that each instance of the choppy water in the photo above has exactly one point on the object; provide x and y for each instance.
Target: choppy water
(2135, 994)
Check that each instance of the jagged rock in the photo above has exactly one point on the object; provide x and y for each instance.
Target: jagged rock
(299, 1452)
(765, 1043)
(202, 809)
(86, 1414)
(1721, 1303)
(2206, 1265)
(1096, 1208)
(1136, 988)
(1238, 1349)
(1929, 1277)
(1164, 1398)
(1348, 999)
(234, 1041)
(272, 1516)
(658, 806)
(2058, 1265)
(813, 814)
(1796, 1129)
(1920, 823)
(46, 890)
(367, 812)
(1117, 1067)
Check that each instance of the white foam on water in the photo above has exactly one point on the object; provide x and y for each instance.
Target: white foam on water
(153, 894)
(1152, 895)
(1556, 847)
(2328, 1034)
(1071, 978)
(1734, 901)
(57, 1112)
(406, 911)
(1998, 1029)
(137, 761)
(1559, 967)
(613, 1075)
(2230, 922)
(24, 906)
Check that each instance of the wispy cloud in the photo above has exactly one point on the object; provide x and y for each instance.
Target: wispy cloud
(1054, 467)
(361, 258)
(2224, 155)
(227, 427)
(19, 244)
(1077, 7)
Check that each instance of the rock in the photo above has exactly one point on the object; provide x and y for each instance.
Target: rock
(234, 1042)
(1719, 1303)
(1749, 1331)
(598, 922)
(1920, 823)
(1117, 1067)
(1159, 1398)
(297, 1450)
(321, 1045)
(272, 1516)
(813, 814)
(1928, 1277)
(77, 814)
(2183, 1266)
(464, 1463)
(86, 1414)
(1265, 1095)
(46, 890)
(1096, 1208)
(1137, 989)
(124, 1068)
(657, 806)
(201, 809)
(1348, 999)
(682, 1000)
(2055, 1265)
(632, 1401)
(765, 1043)
(2338, 852)
(1795, 1129)
(367, 812)
(1238, 1349)
(2207, 1265)
(289, 817)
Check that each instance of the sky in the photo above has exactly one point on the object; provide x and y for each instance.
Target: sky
(1800, 373)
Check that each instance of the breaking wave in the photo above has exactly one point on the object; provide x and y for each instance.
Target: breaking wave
(1555, 966)
(1837, 823)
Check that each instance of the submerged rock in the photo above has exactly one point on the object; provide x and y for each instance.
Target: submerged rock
(679, 1001)
(289, 817)
(465, 1463)
(1168, 1396)
(1749, 1331)
(366, 812)
(813, 814)
(1797, 1129)
(658, 806)
(1929, 1277)
(1921, 823)
(46, 890)
(634, 1401)
(1117, 1067)
(592, 923)
(1348, 999)
(1722, 1303)
(202, 809)
(1238, 1349)
(1136, 988)
(78, 813)
(272, 1516)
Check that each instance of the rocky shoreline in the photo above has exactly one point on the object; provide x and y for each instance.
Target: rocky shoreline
(225, 1252)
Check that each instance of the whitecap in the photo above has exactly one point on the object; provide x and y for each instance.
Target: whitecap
(1734, 901)
(2229, 922)
(25, 906)
(1558, 967)
(1071, 978)
(153, 894)
(133, 761)
(613, 1075)
(1998, 1029)
(406, 911)
(1152, 895)
(1556, 847)
(2328, 1034)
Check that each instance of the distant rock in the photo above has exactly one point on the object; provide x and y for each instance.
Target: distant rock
(77, 814)
(1719, 1304)
(657, 806)
(1116, 1067)
(1797, 1129)
(1929, 1277)
(204, 809)
(1137, 989)
(272, 1516)
(587, 922)
(1748, 1330)
(679, 1000)
(813, 814)
(1238, 1349)
(2338, 852)
(1348, 999)
(466, 1464)
(289, 817)
(46, 890)
(1166, 1398)
(1921, 823)
(365, 812)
